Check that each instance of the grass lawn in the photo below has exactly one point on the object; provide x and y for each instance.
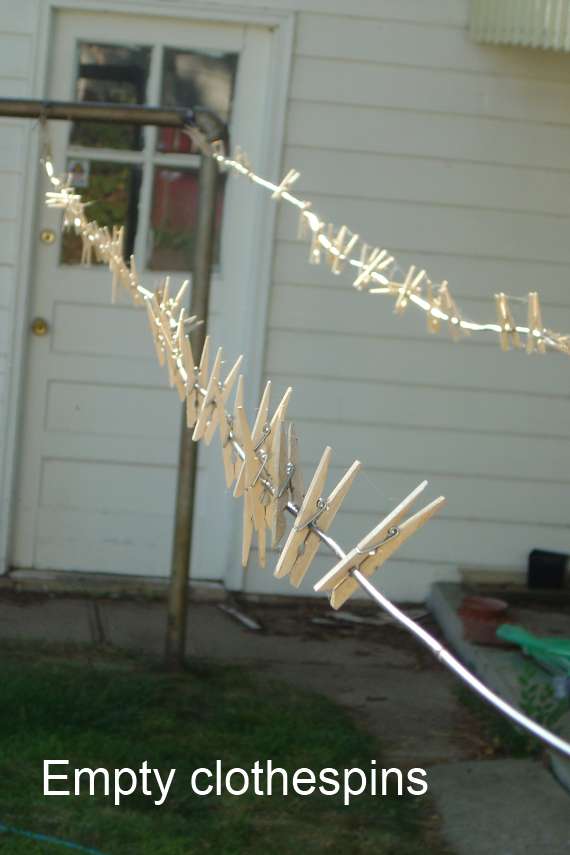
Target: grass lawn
(115, 712)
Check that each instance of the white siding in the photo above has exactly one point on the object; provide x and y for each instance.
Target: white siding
(455, 156)
(18, 32)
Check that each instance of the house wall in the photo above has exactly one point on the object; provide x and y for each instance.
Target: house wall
(456, 157)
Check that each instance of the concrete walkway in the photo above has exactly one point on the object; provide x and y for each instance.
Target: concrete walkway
(394, 688)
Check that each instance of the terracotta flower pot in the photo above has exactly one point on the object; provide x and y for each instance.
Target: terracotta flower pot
(481, 616)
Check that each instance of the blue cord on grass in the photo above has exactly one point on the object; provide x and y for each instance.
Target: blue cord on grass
(44, 838)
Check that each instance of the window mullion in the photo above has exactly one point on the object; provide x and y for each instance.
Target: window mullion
(145, 203)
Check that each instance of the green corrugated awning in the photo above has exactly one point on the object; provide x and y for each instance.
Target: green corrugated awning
(533, 23)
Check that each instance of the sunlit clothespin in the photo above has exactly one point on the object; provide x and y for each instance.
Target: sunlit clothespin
(286, 184)
(196, 377)
(557, 341)
(302, 224)
(450, 311)
(286, 477)
(508, 334)
(253, 509)
(242, 160)
(177, 301)
(341, 245)
(409, 286)
(432, 319)
(535, 338)
(171, 351)
(153, 311)
(116, 259)
(372, 262)
(213, 406)
(379, 545)
(316, 246)
(302, 543)
(86, 249)
(261, 429)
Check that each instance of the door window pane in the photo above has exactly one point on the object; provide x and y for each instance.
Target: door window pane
(195, 78)
(113, 73)
(173, 219)
(114, 189)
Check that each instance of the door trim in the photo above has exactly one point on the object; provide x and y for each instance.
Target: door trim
(252, 323)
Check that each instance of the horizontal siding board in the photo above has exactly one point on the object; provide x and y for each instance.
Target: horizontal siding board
(445, 91)
(440, 450)
(427, 406)
(424, 133)
(429, 180)
(413, 43)
(461, 366)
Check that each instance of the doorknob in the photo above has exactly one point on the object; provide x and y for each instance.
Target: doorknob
(39, 326)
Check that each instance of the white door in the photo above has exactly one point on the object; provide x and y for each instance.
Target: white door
(100, 428)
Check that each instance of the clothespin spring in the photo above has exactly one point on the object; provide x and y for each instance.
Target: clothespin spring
(372, 550)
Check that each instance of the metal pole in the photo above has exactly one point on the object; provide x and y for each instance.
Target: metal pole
(175, 646)
(95, 111)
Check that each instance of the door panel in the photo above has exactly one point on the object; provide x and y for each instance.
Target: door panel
(100, 426)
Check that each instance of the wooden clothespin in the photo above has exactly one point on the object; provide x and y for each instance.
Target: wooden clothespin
(116, 259)
(535, 338)
(410, 286)
(379, 545)
(213, 405)
(285, 184)
(448, 307)
(278, 468)
(371, 261)
(169, 337)
(316, 247)
(286, 477)
(558, 341)
(177, 301)
(86, 249)
(508, 334)
(302, 224)
(261, 429)
(228, 431)
(253, 509)
(241, 158)
(153, 311)
(341, 246)
(432, 320)
(196, 378)
(302, 544)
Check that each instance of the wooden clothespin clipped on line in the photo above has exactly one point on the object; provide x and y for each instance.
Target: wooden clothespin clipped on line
(302, 543)
(212, 411)
(372, 262)
(340, 246)
(285, 472)
(286, 184)
(508, 334)
(535, 338)
(379, 545)
(411, 285)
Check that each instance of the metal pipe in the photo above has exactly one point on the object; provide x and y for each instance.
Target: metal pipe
(96, 111)
(175, 644)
